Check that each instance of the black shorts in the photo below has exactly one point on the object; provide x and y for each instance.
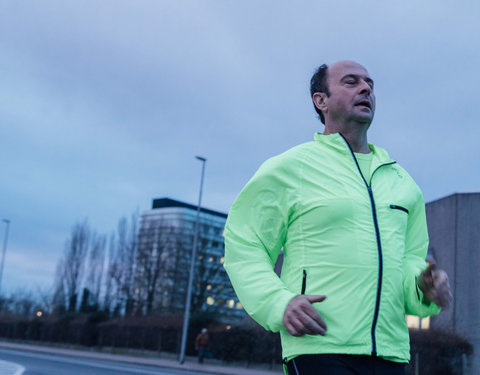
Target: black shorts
(343, 364)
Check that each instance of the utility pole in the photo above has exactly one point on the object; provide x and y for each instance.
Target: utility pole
(186, 318)
(5, 241)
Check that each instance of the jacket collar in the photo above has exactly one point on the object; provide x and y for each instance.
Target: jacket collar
(338, 143)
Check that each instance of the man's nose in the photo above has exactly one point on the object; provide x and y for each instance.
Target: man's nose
(365, 88)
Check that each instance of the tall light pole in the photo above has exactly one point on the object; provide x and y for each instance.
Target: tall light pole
(192, 269)
(5, 241)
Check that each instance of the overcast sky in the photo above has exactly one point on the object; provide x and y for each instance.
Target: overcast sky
(104, 104)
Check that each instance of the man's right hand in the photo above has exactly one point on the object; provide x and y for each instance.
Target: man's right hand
(300, 318)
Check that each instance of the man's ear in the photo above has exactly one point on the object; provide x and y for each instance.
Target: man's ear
(319, 99)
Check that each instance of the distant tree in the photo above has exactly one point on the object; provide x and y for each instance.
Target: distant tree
(86, 303)
(70, 269)
(96, 260)
(155, 257)
(22, 303)
(163, 264)
(207, 270)
(45, 298)
(121, 267)
(59, 298)
(110, 277)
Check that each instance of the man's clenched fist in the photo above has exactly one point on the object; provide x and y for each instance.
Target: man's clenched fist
(435, 286)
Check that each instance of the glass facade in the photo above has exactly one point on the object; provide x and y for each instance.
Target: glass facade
(165, 245)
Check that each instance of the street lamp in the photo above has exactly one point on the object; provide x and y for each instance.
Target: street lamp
(192, 269)
(5, 240)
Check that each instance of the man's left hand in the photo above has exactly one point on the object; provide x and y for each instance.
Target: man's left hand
(435, 286)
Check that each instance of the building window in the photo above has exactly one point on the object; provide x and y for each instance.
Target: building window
(210, 301)
(416, 322)
(239, 306)
(230, 303)
(222, 260)
(210, 259)
(209, 287)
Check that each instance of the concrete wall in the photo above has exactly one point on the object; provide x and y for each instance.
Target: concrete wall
(468, 272)
(454, 230)
(441, 220)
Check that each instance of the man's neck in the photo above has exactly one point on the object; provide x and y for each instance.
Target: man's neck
(355, 134)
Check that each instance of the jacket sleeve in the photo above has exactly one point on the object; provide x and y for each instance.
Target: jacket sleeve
(254, 235)
(416, 246)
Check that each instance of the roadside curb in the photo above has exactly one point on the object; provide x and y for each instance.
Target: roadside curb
(190, 364)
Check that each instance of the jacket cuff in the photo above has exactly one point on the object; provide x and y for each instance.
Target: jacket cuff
(275, 319)
(427, 306)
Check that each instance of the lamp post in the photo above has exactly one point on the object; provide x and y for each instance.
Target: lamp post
(5, 241)
(192, 269)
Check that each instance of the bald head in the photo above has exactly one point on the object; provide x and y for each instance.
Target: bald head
(344, 63)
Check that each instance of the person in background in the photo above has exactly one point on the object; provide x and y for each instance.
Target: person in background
(202, 343)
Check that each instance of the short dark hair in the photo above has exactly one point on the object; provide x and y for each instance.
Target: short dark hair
(318, 83)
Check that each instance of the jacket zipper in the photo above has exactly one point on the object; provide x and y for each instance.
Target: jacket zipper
(379, 245)
(304, 281)
(395, 207)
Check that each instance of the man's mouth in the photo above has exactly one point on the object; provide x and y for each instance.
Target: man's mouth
(364, 103)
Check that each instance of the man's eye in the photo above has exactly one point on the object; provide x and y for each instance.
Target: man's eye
(351, 81)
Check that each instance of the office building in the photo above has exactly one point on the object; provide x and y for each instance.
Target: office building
(163, 262)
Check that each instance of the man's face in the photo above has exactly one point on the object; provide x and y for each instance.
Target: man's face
(351, 93)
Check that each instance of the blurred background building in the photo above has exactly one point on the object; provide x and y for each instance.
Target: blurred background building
(165, 243)
(454, 230)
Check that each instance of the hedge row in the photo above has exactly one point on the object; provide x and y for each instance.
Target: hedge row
(433, 352)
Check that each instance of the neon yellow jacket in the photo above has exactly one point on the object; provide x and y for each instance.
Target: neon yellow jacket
(363, 246)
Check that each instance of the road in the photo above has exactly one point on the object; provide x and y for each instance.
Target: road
(48, 364)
